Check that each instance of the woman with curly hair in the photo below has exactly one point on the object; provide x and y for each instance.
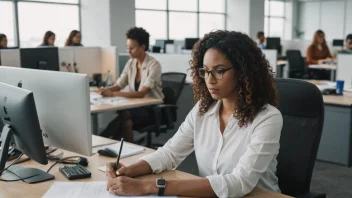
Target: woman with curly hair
(234, 128)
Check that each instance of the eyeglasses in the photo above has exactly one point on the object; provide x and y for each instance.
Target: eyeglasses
(216, 73)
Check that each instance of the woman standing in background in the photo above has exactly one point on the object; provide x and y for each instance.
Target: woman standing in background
(49, 39)
(74, 39)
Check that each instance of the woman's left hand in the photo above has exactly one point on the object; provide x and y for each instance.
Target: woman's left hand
(127, 186)
(106, 93)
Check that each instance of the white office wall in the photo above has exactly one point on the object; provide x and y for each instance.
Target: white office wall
(256, 17)
(348, 18)
(122, 15)
(331, 16)
(245, 16)
(238, 15)
(332, 19)
(309, 20)
(95, 21)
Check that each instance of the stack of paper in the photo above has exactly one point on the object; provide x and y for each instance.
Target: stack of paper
(96, 99)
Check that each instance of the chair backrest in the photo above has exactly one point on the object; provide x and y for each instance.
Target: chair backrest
(174, 81)
(295, 60)
(302, 108)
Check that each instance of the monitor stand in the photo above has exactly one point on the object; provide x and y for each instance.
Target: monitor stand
(14, 173)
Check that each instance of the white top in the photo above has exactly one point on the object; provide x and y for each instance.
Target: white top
(150, 77)
(234, 162)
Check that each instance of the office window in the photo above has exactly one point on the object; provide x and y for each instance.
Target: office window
(58, 1)
(154, 22)
(274, 21)
(153, 4)
(211, 6)
(210, 22)
(181, 18)
(7, 25)
(61, 19)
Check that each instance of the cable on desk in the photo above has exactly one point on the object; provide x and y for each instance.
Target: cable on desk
(61, 161)
(13, 162)
(6, 169)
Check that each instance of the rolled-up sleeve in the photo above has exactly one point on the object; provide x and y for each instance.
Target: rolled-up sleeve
(154, 74)
(122, 81)
(261, 150)
(176, 149)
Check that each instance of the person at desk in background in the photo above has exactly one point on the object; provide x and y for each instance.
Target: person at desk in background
(48, 40)
(74, 39)
(318, 52)
(234, 128)
(3, 41)
(348, 45)
(142, 76)
(261, 40)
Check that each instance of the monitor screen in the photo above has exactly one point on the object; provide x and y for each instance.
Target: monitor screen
(40, 58)
(189, 42)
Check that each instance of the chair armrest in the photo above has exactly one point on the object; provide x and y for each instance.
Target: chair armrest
(312, 195)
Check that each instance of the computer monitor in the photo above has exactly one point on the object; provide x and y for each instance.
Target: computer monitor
(159, 43)
(337, 43)
(18, 113)
(63, 105)
(40, 58)
(189, 42)
(274, 43)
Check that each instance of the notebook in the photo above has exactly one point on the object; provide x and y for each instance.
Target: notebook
(127, 150)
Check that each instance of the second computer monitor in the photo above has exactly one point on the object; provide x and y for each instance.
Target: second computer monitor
(189, 42)
(274, 43)
(40, 58)
(63, 105)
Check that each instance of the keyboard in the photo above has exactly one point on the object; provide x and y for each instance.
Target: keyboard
(75, 172)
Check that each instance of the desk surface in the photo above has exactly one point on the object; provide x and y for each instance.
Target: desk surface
(323, 66)
(345, 99)
(21, 189)
(130, 104)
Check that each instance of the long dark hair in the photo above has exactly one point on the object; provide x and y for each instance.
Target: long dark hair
(70, 37)
(47, 35)
(256, 86)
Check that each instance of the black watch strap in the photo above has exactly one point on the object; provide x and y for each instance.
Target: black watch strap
(161, 191)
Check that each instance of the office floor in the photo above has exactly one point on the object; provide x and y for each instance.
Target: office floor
(334, 180)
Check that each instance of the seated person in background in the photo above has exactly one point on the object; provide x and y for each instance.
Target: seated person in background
(261, 40)
(234, 128)
(48, 40)
(348, 45)
(74, 39)
(3, 41)
(142, 76)
(318, 52)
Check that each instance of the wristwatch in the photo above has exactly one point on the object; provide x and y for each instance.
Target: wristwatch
(161, 184)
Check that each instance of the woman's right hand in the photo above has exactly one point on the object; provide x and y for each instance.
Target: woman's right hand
(122, 170)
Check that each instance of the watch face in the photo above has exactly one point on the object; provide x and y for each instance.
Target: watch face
(161, 182)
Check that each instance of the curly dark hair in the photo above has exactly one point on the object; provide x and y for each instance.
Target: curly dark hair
(255, 87)
(140, 35)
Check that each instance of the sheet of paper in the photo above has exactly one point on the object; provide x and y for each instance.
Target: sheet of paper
(127, 150)
(81, 190)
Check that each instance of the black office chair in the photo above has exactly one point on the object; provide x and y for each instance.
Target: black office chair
(166, 114)
(302, 108)
(298, 67)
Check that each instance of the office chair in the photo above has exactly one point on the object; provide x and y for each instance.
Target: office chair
(166, 114)
(298, 68)
(302, 108)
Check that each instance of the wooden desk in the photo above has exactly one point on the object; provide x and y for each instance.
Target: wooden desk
(21, 189)
(130, 104)
(331, 67)
(336, 140)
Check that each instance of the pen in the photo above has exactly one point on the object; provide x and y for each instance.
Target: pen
(118, 157)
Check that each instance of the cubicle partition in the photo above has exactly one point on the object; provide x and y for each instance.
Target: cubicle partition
(88, 60)
(344, 69)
